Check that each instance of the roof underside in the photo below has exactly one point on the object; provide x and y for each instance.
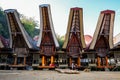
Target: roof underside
(15, 27)
(104, 29)
(75, 25)
(46, 25)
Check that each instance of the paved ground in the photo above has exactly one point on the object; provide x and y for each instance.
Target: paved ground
(54, 75)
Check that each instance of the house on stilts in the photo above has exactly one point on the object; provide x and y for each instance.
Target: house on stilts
(47, 41)
(20, 42)
(102, 43)
(74, 44)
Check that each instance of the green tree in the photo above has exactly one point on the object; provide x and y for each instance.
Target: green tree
(29, 25)
(60, 40)
(3, 24)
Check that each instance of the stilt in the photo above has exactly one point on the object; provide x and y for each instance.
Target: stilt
(43, 60)
(98, 60)
(70, 61)
(79, 63)
(15, 61)
(52, 59)
(106, 58)
(24, 63)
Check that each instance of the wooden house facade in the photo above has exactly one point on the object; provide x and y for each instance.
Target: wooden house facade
(102, 41)
(47, 41)
(99, 52)
(20, 42)
(74, 43)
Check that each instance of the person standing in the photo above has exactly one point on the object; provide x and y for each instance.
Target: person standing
(72, 65)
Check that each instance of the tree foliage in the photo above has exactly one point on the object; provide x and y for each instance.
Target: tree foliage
(29, 25)
(60, 40)
(3, 24)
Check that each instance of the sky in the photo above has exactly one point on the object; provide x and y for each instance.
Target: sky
(60, 12)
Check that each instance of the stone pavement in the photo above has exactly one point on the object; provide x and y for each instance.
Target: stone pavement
(67, 71)
(54, 75)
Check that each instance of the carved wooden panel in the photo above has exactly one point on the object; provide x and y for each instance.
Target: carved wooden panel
(47, 39)
(48, 50)
(74, 44)
(73, 47)
(47, 45)
(102, 43)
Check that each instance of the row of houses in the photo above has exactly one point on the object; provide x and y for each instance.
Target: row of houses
(21, 50)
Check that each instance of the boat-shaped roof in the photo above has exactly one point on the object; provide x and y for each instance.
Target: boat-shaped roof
(50, 25)
(29, 41)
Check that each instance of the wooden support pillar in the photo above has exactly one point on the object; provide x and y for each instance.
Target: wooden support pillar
(43, 60)
(24, 63)
(52, 59)
(70, 61)
(98, 61)
(79, 63)
(15, 61)
(106, 58)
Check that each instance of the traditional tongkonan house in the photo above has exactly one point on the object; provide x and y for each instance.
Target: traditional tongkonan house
(20, 41)
(47, 41)
(74, 39)
(102, 41)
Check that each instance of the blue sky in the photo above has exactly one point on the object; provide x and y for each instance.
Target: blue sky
(60, 11)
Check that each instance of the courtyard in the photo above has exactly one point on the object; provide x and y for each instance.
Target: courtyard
(54, 75)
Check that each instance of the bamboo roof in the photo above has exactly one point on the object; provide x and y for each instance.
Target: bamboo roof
(15, 15)
(42, 16)
(99, 28)
(80, 23)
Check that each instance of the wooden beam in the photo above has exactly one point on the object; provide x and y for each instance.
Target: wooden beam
(52, 59)
(70, 61)
(24, 61)
(15, 61)
(43, 60)
(106, 58)
(79, 63)
(98, 61)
